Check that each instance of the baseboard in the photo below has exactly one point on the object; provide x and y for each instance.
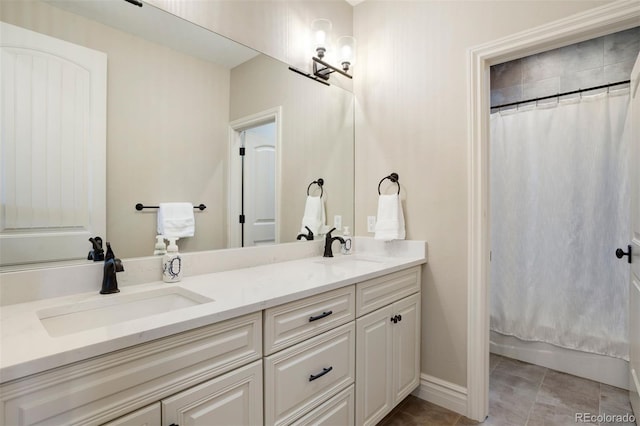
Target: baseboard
(442, 393)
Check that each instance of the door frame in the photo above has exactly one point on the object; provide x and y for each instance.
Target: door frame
(234, 181)
(607, 19)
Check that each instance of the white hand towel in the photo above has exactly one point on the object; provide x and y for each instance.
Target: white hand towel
(390, 221)
(176, 220)
(314, 216)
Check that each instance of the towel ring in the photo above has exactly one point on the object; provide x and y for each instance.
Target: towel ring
(320, 183)
(393, 177)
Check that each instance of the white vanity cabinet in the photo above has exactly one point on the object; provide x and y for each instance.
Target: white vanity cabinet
(311, 347)
(117, 384)
(387, 343)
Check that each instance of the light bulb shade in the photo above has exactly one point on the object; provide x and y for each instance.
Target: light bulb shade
(347, 51)
(321, 29)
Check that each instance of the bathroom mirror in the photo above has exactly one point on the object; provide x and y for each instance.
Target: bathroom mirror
(180, 101)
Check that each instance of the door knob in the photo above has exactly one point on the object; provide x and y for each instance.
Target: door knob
(620, 254)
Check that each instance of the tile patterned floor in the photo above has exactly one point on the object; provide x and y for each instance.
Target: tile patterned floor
(523, 394)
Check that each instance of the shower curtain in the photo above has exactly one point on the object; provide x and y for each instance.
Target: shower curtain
(559, 209)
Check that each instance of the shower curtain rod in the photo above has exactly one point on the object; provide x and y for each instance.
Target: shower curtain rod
(604, 86)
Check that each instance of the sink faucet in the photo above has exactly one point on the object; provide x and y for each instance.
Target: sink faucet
(308, 236)
(111, 266)
(97, 254)
(328, 240)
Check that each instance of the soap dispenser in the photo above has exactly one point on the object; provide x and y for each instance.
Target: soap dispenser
(172, 263)
(161, 247)
(346, 236)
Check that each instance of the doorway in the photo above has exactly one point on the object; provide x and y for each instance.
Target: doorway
(254, 180)
(593, 23)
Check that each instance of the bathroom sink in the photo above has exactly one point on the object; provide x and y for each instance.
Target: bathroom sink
(340, 260)
(72, 318)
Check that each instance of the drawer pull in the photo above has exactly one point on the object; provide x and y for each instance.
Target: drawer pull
(322, 373)
(322, 315)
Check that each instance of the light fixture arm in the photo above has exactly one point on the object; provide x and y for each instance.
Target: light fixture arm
(328, 69)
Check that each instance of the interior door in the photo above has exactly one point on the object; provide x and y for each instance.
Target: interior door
(259, 185)
(634, 246)
(53, 142)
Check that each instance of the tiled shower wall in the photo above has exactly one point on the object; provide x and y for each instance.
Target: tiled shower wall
(595, 62)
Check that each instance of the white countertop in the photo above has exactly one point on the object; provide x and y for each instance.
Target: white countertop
(27, 348)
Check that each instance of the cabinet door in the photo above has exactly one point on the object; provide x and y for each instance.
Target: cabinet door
(374, 371)
(147, 416)
(406, 347)
(229, 400)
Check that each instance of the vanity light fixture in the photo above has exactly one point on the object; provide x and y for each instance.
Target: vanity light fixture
(345, 47)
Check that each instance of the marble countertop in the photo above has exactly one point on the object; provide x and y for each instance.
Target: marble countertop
(27, 348)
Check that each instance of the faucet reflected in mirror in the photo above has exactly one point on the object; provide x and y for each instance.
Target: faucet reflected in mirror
(308, 236)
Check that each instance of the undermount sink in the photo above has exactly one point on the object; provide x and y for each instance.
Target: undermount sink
(346, 259)
(76, 317)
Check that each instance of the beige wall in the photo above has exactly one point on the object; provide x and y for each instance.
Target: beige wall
(166, 130)
(411, 118)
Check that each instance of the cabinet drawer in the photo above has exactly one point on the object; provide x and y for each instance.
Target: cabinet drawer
(291, 323)
(338, 410)
(381, 291)
(149, 415)
(103, 388)
(303, 376)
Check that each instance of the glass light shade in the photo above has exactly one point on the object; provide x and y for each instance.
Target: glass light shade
(321, 29)
(346, 51)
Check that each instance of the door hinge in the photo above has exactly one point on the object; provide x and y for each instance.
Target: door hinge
(242, 151)
(241, 218)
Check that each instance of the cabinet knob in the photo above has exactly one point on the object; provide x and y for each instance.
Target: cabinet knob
(399, 317)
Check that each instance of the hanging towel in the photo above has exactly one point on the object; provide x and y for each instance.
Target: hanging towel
(390, 223)
(176, 220)
(314, 216)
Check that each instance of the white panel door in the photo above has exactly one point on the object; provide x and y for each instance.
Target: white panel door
(406, 347)
(232, 399)
(374, 369)
(52, 144)
(634, 280)
(259, 190)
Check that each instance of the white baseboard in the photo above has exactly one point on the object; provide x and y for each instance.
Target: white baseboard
(442, 393)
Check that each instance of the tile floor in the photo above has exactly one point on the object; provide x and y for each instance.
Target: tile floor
(523, 394)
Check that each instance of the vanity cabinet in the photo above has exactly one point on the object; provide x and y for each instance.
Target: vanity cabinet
(387, 344)
(343, 357)
(311, 347)
(104, 388)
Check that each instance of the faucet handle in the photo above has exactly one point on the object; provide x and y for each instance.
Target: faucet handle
(330, 231)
